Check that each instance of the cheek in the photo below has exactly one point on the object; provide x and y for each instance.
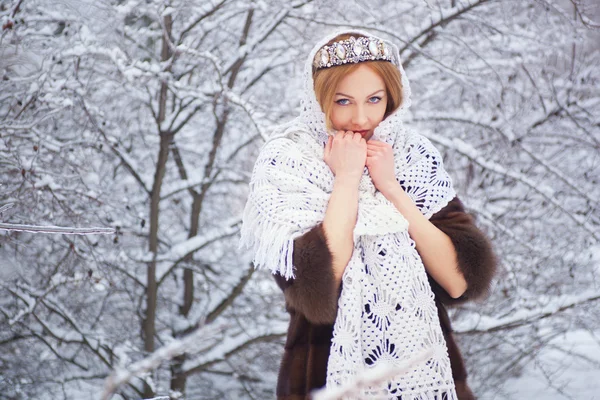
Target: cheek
(378, 112)
(338, 118)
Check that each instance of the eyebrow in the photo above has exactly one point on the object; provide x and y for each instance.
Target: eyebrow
(350, 97)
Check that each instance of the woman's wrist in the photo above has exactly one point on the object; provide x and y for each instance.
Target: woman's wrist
(347, 180)
(394, 192)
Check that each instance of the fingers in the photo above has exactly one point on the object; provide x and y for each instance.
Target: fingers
(355, 136)
(349, 135)
(336, 140)
(380, 148)
(377, 143)
(328, 146)
(376, 149)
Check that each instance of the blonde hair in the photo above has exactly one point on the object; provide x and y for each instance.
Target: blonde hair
(326, 81)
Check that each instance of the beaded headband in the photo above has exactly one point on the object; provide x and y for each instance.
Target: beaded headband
(352, 50)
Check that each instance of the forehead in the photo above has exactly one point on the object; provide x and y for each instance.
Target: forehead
(363, 81)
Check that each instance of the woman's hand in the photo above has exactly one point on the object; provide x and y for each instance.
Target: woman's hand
(346, 155)
(380, 162)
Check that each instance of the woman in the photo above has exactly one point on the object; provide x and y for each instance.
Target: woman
(361, 226)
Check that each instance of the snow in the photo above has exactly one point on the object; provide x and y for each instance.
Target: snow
(485, 323)
(178, 251)
(518, 128)
(168, 11)
(47, 181)
(575, 376)
(229, 343)
(64, 230)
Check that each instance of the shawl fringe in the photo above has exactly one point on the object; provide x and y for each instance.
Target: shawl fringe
(272, 244)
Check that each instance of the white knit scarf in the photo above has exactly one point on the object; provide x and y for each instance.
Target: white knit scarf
(386, 310)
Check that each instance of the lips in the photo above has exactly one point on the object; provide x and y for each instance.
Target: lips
(363, 133)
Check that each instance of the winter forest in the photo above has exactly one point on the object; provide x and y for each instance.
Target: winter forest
(128, 132)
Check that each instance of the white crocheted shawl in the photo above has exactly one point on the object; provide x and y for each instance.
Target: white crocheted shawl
(386, 310)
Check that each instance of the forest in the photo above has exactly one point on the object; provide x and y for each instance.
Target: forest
(128, 133)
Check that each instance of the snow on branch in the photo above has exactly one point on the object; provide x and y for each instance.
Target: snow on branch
(204, 15)
(204, 334)
(510, 137)
(523, 317)
(178, 252)
(260, 123)
(63, 230)
(233, 344)
(129, 163)
(546, 191)
(266, 30)
(371, 377)
(445, 16)
(122, 376)
(184, 184)
(30, 296)
(5, 207)
(31, 125)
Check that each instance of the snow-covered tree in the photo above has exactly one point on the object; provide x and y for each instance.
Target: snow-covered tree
(145, 116)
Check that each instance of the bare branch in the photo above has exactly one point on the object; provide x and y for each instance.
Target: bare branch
(202, 17)
(530, 316)
(226, 350)
(545, 164)
(122, 376)
(470, 152)
(124, 159)
(446, 16)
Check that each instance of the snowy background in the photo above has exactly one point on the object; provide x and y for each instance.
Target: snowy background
(143, 118)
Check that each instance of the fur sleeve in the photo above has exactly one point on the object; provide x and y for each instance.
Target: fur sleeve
(313, 291)
(476, 259)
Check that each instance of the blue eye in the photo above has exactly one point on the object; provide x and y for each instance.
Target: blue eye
(340, 102)
(375, 99)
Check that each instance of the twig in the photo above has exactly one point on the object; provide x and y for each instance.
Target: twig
(6, 207)
(64, 230)
(175, 348)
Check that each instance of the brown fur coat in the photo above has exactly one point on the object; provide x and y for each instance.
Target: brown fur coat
(311, 300)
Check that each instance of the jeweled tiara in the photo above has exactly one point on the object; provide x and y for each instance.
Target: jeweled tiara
(351, 50)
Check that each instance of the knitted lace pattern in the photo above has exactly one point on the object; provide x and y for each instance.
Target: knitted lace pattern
(386, 310)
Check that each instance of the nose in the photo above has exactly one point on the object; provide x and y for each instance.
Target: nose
(359, 116)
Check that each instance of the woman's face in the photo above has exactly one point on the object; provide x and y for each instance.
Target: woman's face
(359, 103)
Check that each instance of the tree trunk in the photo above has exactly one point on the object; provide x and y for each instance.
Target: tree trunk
(148, 327)
(178, 378)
